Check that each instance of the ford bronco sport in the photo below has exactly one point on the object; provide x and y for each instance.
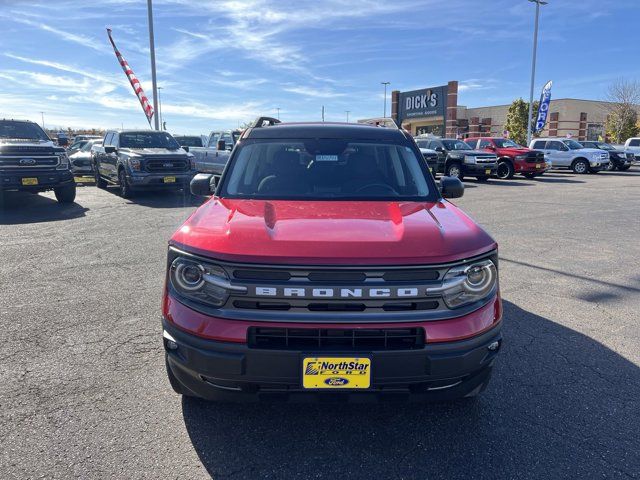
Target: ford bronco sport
(328, 262)
(29, 161)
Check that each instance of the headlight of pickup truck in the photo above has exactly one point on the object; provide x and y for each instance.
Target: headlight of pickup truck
(521, 157)
(63, 162)
(203, 282)
(134, 164)
(466, 284)
(469, 159)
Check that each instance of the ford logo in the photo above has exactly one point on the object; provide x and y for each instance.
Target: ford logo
(167, 165)
(27, 161)
(336, 381)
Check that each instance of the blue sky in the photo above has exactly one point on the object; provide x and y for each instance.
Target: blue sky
(224, 62)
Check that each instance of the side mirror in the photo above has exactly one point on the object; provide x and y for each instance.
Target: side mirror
(451, 187)
(110, 149)
(490, 147)
(203, 184)
(221, 145)
(185, 148)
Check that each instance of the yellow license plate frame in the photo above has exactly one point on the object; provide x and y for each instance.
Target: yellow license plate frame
(169, 180)
(538, 165)
(487, 171)
(336, 373)
(29, 181)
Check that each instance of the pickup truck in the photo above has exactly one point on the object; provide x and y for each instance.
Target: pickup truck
(30, 162)
(512, 158)
(214, 156)
(632, 145)
(141, 160)
(567, 153)
(458, 159)
(329, 265)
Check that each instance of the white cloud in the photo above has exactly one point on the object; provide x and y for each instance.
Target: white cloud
(313, 91)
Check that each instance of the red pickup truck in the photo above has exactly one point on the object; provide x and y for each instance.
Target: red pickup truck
(512, 158)
(328, 262)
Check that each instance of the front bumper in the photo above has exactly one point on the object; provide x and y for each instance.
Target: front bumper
(597, 166)
(479, 170)
(526, 167)
(234, 371)
(46, 179)
(140, 181)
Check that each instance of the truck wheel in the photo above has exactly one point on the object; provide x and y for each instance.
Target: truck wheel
(505, 170)
(125, 189)
(454, 170)
(482, 178)
(580, 166)
(100, 182)
(622, 168)
(65, 194)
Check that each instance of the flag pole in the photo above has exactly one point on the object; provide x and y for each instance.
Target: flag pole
(152, 48)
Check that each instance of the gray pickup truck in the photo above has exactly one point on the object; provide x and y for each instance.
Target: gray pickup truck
(214, 156)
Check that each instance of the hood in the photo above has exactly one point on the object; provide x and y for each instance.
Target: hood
(592, 150)
(79, 155)
(515, 151)
(26, 143)
(332, 232)
(156, 152)
(470, 152)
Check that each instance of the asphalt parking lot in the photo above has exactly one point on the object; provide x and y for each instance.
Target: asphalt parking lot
(84, 392)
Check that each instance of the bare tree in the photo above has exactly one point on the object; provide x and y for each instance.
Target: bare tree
(623, 97)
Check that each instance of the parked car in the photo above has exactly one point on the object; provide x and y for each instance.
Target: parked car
(430, 156)
(329, 262)
(82, 161)
(567, 153)
(79, 142)
(457, 159)
(618, 158)
(632, 145)
(512, 158)
(213, 157)
(142, 159)
(189, 141)
(29, 161)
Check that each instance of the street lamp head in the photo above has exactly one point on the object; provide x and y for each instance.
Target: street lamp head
(539, 2)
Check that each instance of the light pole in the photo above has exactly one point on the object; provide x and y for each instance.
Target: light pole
(384, 115)
(42, 113)
(152, 49)
(347, 112)
(533, 66)
(278, 113)
(160, 106)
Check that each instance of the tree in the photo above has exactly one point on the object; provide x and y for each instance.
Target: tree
(516, 123)
(623, 97)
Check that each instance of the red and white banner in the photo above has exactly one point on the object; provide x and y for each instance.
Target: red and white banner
(135, 83)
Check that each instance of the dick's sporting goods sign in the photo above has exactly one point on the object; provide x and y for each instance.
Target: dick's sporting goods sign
(428, 102)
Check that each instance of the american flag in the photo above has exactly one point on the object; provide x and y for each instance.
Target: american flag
(135, 83)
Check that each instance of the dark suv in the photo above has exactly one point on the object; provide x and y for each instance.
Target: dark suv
(457, 159)
(142, 159)
(29, 161)
(618, 158)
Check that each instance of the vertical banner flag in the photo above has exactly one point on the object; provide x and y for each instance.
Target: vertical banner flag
(543, 108)
(135, 83)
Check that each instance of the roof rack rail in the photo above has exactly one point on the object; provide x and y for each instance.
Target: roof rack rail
(265, 122)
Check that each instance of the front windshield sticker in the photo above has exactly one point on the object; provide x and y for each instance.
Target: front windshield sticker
(326, 158)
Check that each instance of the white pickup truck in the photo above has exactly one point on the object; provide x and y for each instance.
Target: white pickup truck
(214, 156)
(632, 145)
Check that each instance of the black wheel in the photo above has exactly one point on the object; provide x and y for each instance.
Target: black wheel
(580, 166)
(454, 170)
(610, 167)
(125, 188)
(482, 178)
(505, 170)
(622, 168)
(65, 194)
(100, 182)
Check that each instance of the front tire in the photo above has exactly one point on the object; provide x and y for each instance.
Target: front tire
(624, 168)
(65, 194)
(580, 166)
(125, 188)
(100, 182)
(454, 170)
(505, 170)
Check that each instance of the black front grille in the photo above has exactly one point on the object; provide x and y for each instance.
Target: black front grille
(535, 157)
(365, 339)
(337, 276)
(166, 165)
(27, 150)
(15, 161)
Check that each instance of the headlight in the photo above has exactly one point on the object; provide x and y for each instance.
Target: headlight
(203, 282)
(521, 157)
(134, 163)
(63, 162)
(466, 284)
(469, 159)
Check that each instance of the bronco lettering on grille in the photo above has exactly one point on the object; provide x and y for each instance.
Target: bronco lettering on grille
(407, 292)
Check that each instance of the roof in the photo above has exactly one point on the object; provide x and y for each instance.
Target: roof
(325, 130)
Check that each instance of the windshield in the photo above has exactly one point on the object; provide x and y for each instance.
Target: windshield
(573, 145)
(504, 143)
(327, 169)
(22, 131)
(190, 141)
(148, 140)
(603, 146)
(455, 145)
(87, 146)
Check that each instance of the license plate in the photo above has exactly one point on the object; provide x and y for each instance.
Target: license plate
(29, 181)
(538, 165)
(336, 372)
(169, 179)
(487, 171)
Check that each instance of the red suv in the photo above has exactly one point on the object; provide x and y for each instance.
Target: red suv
(512, 158)
(329, 263)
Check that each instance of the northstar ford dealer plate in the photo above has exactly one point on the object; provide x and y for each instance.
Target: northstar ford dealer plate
(336, 372)
(169, 179)
(29, 181)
